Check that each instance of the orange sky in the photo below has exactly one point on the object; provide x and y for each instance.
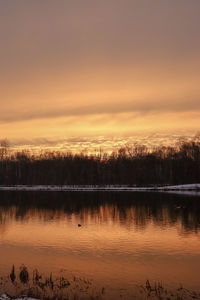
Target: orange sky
(87, 71)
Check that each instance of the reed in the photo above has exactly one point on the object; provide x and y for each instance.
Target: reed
(24, 283)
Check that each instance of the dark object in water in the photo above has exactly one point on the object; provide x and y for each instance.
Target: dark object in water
(79, 225)
(23, 275)
(12, 274)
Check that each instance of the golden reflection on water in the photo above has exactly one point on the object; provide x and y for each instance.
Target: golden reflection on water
(124, 239)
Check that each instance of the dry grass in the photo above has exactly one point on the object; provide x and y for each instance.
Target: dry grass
(22, 283)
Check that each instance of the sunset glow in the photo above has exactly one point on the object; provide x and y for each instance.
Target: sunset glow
(97, 72)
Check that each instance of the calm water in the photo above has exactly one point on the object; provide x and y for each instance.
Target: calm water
(124, 238)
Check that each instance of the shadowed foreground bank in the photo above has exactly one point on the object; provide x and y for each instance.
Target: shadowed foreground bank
(130, 165)
(25, 284)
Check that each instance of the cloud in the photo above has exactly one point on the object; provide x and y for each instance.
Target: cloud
(148, 107)
(106, 143)
(97, 67)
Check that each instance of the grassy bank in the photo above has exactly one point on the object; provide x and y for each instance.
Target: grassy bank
(23, 283)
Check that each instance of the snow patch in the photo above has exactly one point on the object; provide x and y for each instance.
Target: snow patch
(6, 297)
(183, 187)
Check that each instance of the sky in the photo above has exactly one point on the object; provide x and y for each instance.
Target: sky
(94, 73)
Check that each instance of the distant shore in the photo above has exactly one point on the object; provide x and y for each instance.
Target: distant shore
(168, 188)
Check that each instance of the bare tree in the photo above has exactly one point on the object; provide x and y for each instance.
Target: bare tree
(4, 148)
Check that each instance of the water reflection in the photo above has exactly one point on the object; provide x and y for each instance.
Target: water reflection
(125, 238)
(128, 209)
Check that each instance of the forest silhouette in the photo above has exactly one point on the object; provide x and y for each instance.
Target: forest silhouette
(135, 165)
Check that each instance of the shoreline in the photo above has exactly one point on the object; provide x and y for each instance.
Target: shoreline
(87, 188)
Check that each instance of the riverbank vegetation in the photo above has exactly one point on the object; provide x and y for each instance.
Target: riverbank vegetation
(25, 284)
(136, 165)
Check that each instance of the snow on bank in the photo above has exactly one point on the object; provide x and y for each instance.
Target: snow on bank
(6, 297)
(184, 187)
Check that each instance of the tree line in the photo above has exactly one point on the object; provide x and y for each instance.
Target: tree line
(130, 165)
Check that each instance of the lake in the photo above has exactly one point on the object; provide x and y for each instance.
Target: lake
(123, 239)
